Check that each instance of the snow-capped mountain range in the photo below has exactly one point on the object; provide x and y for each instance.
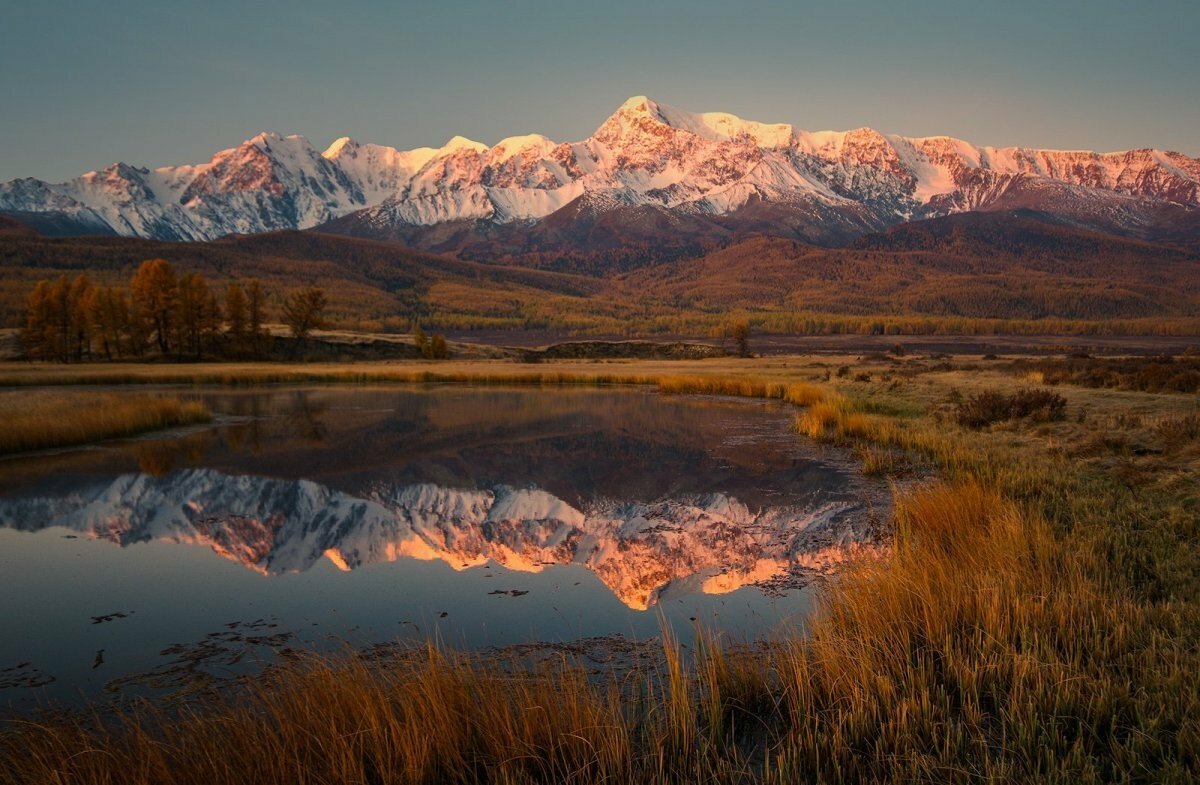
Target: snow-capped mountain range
(827, 185)
(710, 543)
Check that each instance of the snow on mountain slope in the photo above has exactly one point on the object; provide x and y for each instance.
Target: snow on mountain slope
(646, 153)
(274, 526)
(268, 182)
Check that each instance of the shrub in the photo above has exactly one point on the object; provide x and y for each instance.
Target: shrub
(981, 410)
(1184, 382)
(438, 350)
(1146, 374)
(990, 407)
(1180, 430)
(1041, 405)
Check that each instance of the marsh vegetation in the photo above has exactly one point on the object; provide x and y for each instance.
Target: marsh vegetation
(35, 420)
(1036, 618)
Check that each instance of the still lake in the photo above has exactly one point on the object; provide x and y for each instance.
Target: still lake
(319, 517)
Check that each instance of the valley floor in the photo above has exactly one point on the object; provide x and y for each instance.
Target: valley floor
(1037, 617)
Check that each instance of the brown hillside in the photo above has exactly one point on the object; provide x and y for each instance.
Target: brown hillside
(977, 267)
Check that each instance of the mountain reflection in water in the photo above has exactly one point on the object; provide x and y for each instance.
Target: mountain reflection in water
(484, 517)
(652, 493)
(711, 543)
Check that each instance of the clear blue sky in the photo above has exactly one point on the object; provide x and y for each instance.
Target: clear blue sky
(156, 82)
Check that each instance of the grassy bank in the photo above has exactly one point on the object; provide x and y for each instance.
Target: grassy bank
(1037, 619)
(472, 372)
(42, 420)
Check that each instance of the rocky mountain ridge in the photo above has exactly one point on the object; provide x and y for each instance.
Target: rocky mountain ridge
(648, 170)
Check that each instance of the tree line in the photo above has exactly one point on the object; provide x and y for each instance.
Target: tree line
(160, 311)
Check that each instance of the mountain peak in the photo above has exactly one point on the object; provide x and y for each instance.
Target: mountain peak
(513, 145)
(457, 143)
(263, 137)
(639, 107)
(640, 112)
(637, 103)
(637, 117)
(341, 146)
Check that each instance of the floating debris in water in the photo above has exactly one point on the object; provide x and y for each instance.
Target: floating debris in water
(208, 662)
(24, 674)
(111, 617)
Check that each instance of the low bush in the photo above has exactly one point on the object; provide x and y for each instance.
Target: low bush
(1163, 374)
(1039, 404)
(1180, 430)
(990, 407)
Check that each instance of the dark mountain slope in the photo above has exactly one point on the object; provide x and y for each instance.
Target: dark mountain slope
(365, 280)
(971, 265)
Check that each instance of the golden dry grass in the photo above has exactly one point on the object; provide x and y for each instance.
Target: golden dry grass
(981, 649)
(40, 420)
(1037, 619)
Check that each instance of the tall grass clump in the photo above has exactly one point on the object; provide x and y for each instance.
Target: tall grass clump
(41, 420)
(983, 650)
(429, 719)
(821, 418)
(795, 393)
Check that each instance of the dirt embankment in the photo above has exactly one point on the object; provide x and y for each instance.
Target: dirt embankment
(781, 344)
(624, 350)
(348, 347)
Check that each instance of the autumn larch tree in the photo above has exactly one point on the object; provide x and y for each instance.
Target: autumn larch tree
(39, 336)
(197, 315)
(108, 314)
(56, 323)
(438, 350)
(741, 338)
(154, 290)
(189, 304)
(256, 334)
(79, 326)
(210, 320)
(304, 311)
(235, 318)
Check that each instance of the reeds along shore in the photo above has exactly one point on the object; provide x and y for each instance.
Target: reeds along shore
(41, 420)
(1037, 619)
(980, 647)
